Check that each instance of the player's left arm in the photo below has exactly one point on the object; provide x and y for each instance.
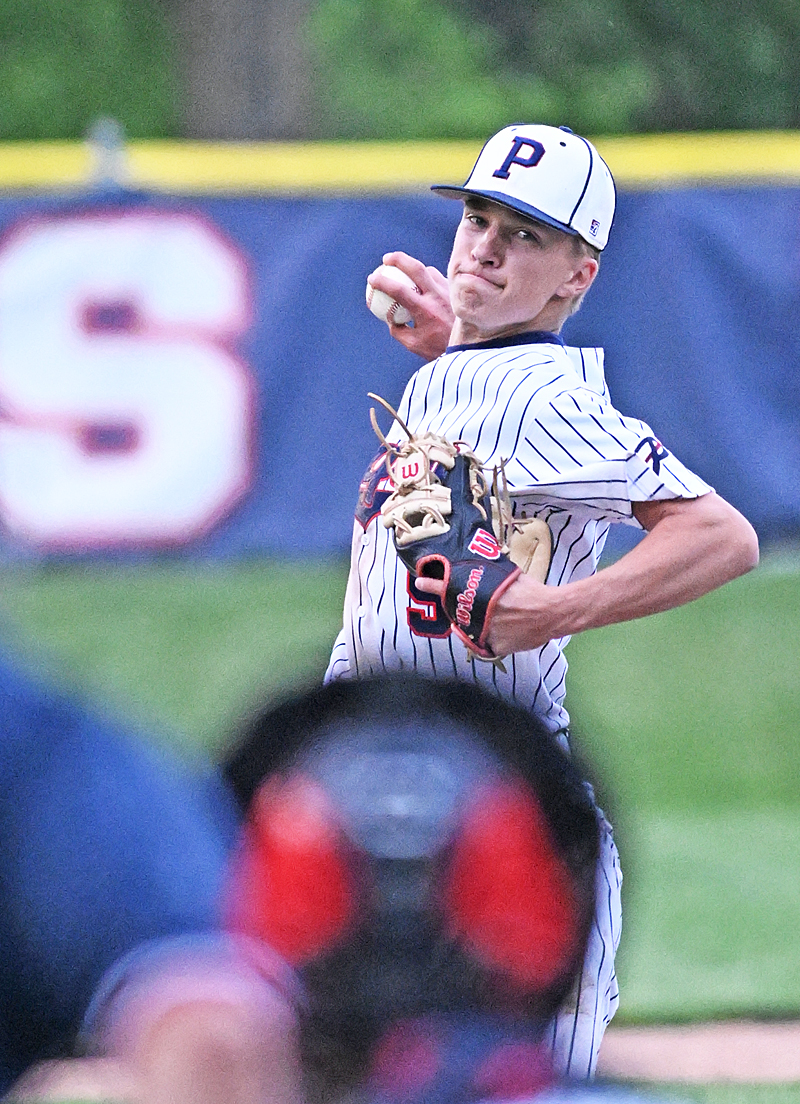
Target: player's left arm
(692, 546)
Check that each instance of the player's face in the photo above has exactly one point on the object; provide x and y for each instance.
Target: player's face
(509, 274)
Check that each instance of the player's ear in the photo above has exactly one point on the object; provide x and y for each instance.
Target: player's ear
(581, 279)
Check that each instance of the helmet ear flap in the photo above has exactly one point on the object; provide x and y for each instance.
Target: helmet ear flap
(293, 882)
(507, 895)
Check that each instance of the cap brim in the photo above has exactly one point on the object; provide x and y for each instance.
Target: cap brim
(450, 191)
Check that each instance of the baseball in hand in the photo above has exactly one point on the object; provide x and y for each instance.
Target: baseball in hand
(382, 305)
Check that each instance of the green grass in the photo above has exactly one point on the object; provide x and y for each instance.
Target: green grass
(698, 707)
(723, 1094)
(711, 915)
(185, 650)
(692, 718)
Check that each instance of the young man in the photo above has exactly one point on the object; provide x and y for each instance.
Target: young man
(538, 208)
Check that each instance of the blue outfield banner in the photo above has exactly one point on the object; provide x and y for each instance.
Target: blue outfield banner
(189, 376)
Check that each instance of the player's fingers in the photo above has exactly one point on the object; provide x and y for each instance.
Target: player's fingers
(438, 282)
(378, 279)
(416, 270)
(428, 303)
(430, 283)
(431, 586)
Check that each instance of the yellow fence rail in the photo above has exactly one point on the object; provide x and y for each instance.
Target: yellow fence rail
(189, 167)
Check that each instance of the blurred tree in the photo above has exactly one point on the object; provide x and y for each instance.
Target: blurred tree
(418, 68)
(657, 64)
(414, 69)
(251, 69)
(244, 68)
(63, 64)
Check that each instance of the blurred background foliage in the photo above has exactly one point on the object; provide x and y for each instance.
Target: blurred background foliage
(259, 69)
(64, 63)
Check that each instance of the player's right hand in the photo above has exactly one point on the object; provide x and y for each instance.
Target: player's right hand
(429, 306)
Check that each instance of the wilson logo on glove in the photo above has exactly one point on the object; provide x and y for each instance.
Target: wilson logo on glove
(466, 599)
(484, 544)
(439, 507)
(410, 471)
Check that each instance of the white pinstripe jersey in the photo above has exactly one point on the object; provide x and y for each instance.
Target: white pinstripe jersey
(571, 458)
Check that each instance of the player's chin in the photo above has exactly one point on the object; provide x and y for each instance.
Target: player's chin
(472, 304)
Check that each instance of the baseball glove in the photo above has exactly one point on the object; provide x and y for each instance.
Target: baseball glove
(527, 540)
(448, 524)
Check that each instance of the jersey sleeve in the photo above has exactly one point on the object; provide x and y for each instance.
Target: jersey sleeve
(589, 366)
(578, 449)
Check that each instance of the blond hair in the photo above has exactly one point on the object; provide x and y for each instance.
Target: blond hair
(582, 248)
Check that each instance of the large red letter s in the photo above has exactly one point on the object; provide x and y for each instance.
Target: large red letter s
(126, 413)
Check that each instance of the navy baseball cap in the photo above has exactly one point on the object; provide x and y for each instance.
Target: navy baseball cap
(547, 173)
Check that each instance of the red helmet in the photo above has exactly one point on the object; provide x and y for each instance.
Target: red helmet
(414, 847)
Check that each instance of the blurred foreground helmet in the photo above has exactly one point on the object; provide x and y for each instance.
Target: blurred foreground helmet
(414, 847)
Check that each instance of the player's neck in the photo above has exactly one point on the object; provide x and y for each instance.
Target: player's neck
(469, 332)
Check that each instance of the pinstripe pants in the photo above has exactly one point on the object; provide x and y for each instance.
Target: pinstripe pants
(576, 1032)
